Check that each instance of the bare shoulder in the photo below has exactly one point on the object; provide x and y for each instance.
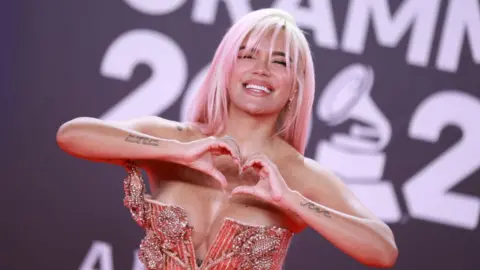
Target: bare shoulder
(163, 128)
(301, 173)
(309, 177)
(290, 162)
(313, 168)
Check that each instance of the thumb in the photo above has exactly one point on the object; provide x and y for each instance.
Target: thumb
(243, 190)
(220, 178)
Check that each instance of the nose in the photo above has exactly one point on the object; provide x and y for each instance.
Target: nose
(261, 68)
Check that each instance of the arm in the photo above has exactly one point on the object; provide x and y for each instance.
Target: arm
(99, 140)
(333, 211)
(324, 203)
(148, 138)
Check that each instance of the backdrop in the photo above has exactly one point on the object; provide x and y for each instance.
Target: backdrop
(396, 115)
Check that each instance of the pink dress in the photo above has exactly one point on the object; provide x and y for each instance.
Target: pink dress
(168, 242)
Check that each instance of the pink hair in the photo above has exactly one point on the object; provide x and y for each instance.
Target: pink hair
(209, 109)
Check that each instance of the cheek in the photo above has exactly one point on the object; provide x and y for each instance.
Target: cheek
(236, 75)
(281, 72)
(287, 83)
(242, 66)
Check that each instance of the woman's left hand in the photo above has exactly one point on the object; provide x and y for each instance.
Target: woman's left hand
(271, 186)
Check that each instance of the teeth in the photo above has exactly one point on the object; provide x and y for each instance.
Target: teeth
(258, 87)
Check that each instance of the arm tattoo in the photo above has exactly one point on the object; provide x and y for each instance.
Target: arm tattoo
(315, 208)
(141, 140)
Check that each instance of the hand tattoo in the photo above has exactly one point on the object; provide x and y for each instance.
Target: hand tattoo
(317, 209)
(179, 127)
(141, 140)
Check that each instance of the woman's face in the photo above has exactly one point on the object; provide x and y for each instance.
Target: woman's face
(259, 85)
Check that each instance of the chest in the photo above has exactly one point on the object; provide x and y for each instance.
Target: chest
(206, 206)
(236, 246)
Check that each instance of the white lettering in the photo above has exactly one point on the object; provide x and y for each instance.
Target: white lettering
(319, 18)
(358, 156)
(421, 16)
(137, 264)
(205, 11)
(462, 19)
(191, 91)
(427, 193)
(99, 252)
(162, 89)
(150, 7)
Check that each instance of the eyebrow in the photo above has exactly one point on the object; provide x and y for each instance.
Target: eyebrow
(274, 53)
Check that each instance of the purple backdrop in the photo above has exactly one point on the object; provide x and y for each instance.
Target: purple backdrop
(396, 115)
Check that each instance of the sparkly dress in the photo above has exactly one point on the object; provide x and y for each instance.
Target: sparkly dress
(168, 241)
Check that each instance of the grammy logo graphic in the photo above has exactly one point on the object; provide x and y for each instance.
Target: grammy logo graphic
(357, 156)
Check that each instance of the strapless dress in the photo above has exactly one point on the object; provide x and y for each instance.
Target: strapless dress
(168, 241)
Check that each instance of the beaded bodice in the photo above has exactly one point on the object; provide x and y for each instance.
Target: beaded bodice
(168, 241)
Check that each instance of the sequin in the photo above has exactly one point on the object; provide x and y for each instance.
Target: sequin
(257, 247)
(134, 189)
(171, 222)
(168, 240)
(150, 253)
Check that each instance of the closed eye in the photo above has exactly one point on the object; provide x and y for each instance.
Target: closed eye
(283, 63)
(245, 56)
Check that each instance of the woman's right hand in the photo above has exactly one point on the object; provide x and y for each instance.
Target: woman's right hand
(147, 138)
(199, 155)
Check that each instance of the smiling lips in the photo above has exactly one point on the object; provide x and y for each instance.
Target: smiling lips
(258, 88)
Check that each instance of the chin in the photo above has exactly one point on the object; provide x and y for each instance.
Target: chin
(258, 109)
(256, 106)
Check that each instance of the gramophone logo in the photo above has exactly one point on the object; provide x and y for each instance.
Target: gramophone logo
(358, 156)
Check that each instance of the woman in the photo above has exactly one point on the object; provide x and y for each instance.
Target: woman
(231, 187)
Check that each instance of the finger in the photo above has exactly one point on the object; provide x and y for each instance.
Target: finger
(257, 165)
(251, 190)
(222, 148)
(274, 183)
(219, 150)
(261, 166)
(244, 190)
(248, 163)
(207, 168)
(220, 178)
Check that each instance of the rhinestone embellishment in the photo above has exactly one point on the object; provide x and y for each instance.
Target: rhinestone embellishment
(172, 222)
(150, 253)
(168, 244)
(134, 189)
(257, 247)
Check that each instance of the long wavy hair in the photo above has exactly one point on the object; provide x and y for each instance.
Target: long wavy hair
(209, 109)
